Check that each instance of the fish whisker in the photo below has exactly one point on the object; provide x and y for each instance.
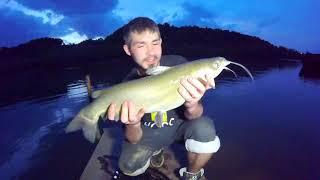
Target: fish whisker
(228, 69)
(243, 67)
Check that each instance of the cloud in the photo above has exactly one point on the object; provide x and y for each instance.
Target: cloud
(95, 24)
(166, 11)
(36, 20)
(193, 14)
(93, 18)
(19, 28)
(179, 12)
(47, 16)
(271, 20)
(73, 7)
(73, 38)
(239, 25)
(268, 22)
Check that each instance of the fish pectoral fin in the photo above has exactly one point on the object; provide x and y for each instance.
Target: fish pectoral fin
(159, 119)
(75, 124)
(89, 127)
(157, 70)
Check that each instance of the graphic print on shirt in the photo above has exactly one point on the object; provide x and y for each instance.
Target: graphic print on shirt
(164, 123)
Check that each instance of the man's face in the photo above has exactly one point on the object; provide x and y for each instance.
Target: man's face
(145, 48)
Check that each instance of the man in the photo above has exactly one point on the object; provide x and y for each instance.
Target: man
(144, 141)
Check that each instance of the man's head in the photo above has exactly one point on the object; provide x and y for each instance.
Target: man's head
(143, 42)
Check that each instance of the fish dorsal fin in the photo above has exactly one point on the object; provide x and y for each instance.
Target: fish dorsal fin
(157, 70)
(96, 94)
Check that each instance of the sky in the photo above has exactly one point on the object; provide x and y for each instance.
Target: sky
(289, 23)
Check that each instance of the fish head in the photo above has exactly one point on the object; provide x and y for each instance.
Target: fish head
(217, 65)
(220, 63)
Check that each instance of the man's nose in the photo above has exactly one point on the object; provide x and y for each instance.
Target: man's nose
(151, 50)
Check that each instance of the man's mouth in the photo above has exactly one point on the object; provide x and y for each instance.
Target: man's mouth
(151, 60)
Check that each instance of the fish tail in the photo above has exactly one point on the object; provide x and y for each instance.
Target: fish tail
(89, 127)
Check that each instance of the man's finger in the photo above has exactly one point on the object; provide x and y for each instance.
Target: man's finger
(210, 82)
(111, 111)
(140, 114)
(191, 89)
(184, 93)
(200, 87)
(131, 111)
(124, 112)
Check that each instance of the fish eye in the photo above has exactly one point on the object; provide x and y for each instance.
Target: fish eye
(215, 65)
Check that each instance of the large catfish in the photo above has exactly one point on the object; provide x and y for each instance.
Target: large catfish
(155, 93)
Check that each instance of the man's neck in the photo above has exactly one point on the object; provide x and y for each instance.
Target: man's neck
(141, 72)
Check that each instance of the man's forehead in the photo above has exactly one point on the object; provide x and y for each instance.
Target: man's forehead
(147, 33)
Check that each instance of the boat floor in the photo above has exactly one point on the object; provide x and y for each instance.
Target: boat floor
(104, 160)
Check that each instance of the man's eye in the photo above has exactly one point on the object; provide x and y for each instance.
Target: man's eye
(156, 42)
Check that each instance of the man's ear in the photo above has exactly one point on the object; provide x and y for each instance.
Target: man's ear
(126, 49)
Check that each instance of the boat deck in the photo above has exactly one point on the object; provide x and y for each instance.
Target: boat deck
(103, 162)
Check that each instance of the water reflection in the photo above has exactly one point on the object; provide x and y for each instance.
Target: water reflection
(77, 89)
(24, 125)
(22, 150)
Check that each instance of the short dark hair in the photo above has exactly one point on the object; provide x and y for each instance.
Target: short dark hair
(139, 25)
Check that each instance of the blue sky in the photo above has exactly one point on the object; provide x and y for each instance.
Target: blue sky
(289, 23)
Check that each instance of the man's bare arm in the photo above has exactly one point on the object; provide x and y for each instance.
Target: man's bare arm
(194, 111)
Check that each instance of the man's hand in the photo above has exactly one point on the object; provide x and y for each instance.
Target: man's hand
(192, 89)
(130, 118)
(127, 114)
